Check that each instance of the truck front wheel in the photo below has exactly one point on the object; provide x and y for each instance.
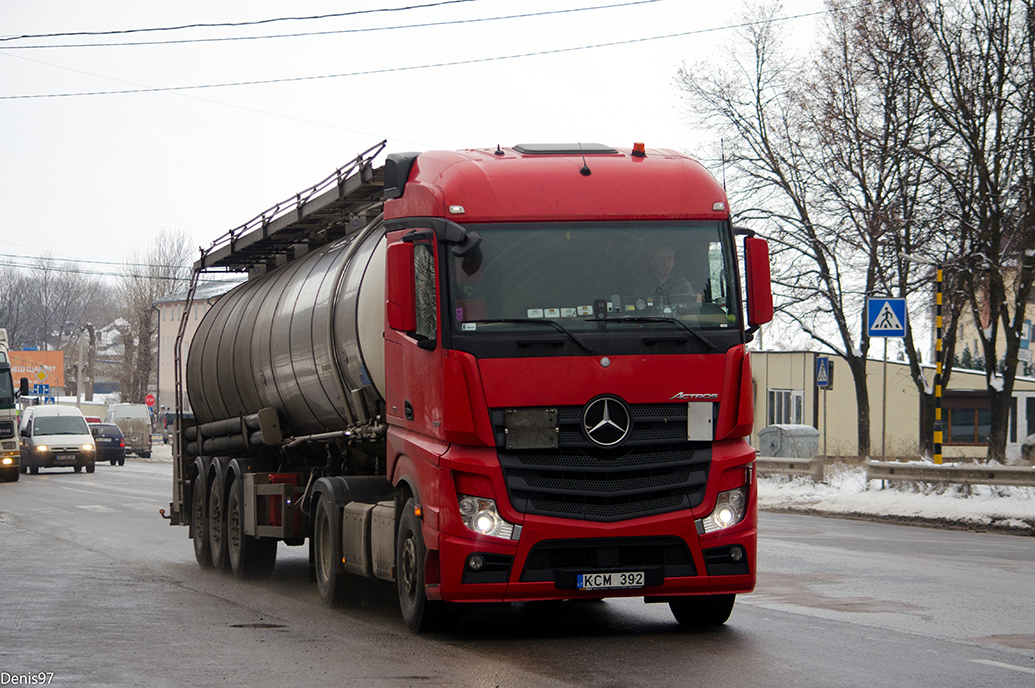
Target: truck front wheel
(704, 611)
(250, 557)
(419, 613)
(330, 578)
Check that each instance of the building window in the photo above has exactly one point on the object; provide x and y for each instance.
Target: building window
(785, 407)
(969, 425)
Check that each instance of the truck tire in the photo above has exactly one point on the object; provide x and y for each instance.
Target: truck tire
(705, 611)
(330, 576)
(199, 521)
(216, 522)
(250, 557)
(10, 475)
(420, 614)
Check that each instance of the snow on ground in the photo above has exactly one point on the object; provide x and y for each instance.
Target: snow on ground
(845, 491)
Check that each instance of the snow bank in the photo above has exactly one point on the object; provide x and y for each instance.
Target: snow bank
(846, 491)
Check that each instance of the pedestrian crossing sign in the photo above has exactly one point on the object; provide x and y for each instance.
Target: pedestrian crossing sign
(824, 378)
(886, 317)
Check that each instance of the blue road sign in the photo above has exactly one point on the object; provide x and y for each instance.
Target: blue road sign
(886, 317)
(40, 389)
(822, 372)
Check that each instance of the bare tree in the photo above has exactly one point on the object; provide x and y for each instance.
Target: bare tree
(826, 261)
(974, 63)
(163, 269)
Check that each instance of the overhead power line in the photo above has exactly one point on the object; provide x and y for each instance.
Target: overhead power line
(389, 70)
(257, 22)
(425, 25)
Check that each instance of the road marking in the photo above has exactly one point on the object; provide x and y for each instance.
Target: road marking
(1001, 665)
(97, 508)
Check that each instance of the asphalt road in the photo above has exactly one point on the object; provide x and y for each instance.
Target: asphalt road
(98, 590)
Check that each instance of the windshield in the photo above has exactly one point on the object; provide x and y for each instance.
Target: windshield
(587, 277)
(6, 387)
(60, 425)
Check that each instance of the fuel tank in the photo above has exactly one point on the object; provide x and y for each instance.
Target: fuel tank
(306, 339)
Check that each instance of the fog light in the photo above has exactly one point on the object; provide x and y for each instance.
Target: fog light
(736, 553)
(476, 562)
(480, 515)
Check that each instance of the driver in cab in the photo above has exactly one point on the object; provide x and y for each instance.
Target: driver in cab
(664, 292)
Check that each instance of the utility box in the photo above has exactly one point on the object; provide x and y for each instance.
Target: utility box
(788, 441)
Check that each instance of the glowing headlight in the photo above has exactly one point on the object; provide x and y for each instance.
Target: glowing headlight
(729, 510)
(480, 515)
(88, 447)
(42, 448)
(8, 461)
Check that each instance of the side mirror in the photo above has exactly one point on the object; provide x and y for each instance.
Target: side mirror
(23, 390)
(759, 286)
(400, 308)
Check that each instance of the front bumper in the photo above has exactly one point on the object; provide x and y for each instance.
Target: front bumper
(545, 563)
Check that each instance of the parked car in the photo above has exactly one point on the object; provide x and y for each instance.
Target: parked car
(134, 420)
(110, 442)
(56, 436)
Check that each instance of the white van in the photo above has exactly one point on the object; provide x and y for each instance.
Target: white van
(134, 420)
(51, 436)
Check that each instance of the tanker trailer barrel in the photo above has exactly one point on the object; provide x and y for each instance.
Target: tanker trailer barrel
(305, 339)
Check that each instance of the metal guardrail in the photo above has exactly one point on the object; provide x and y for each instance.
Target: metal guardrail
(1007, 476)
(812, 468)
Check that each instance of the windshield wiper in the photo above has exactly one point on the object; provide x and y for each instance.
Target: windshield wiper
(657, 318)
(538, 321)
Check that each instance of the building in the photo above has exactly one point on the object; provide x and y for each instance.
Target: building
(786, 393)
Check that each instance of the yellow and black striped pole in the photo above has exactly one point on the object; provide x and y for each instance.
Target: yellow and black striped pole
(938, 365)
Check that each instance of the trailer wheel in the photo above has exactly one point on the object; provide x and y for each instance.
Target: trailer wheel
(705, 611)
(217, 525)
(419, 613)
(199, 521)
(250, 556)
(330, 578)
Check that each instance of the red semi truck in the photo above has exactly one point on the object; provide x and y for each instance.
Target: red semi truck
(489, 376)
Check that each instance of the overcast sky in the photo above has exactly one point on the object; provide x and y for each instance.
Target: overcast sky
(93, 177)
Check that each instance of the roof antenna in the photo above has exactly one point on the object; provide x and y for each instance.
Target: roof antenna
(722, 149)
(585, 171)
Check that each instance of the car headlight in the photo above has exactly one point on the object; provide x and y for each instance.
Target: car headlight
(88, 447)
(730, 508)
(480, 515)
(42, 448)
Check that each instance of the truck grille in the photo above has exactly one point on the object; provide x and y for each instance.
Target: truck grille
(6, 429)
(655, 471)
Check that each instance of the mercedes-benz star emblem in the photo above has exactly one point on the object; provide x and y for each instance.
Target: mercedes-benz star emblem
(606, 421)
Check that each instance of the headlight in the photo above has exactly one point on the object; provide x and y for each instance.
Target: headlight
(41, 448)
(480, 515)
(8, 461)
(88, 447)
(730, 508)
